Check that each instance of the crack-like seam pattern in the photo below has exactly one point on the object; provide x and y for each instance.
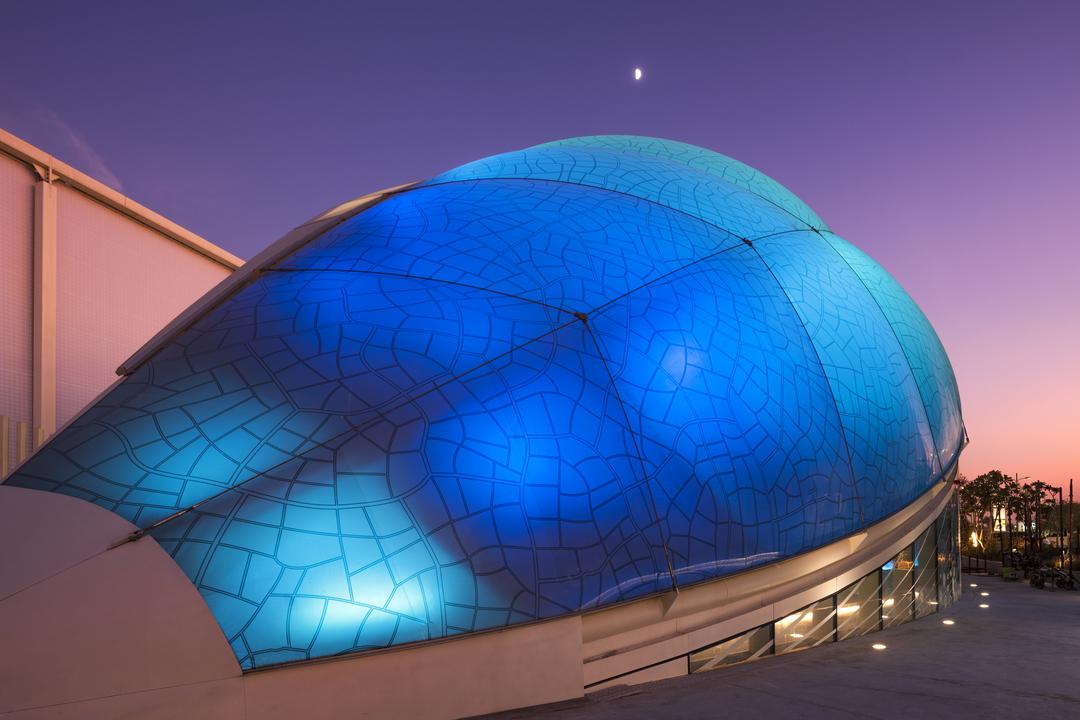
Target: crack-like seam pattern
(406, 400)
(824, 374)
(903, 349)
(324, 443)
(637, 451)
(650, 201)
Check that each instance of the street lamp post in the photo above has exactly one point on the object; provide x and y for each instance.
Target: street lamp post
(1027, 526)
(1061, 529)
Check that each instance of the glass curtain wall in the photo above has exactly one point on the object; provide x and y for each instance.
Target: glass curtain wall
(749, 645)
(896, 589)
(925, 578)
(948, 554)
(810, 626)
(919, 580)
(858, 609)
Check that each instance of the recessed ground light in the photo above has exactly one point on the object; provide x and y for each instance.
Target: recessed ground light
(985, 594)
(933, 602)
(948, 622)
(983, 605)
(974, 584)
(796, 635)
(878, 646)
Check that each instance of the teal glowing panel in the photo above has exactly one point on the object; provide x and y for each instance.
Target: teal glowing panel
(538, 384)
(699, 160)
(885, 425)
(659, 180)
(926, 357)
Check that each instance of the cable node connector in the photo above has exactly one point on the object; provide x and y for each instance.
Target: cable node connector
(132, 537)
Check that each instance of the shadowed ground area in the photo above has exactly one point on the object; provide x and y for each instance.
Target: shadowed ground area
(1020, 657)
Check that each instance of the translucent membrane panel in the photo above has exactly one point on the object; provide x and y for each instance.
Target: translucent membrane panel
(662, 181)
(929, 364)
(737, 427)
(806, 628)
(858, 607)
(896, 589)
(925, 573)
(568, 246)
(751, 645)
(885, 427)
(510, 493)
(700, 160)
(948, 554)
(494, 399)
(293, 360)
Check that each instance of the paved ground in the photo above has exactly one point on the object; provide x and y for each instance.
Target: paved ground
(1019, 658)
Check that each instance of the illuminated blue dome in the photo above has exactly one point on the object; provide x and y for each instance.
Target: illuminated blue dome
(542, 382)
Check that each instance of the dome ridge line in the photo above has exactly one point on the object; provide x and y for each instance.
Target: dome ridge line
(630, 151)
(824, 374)
(598, 188)
(637, 451)
(903, 349)
(600, 308)
(407, 276)
(136, 535)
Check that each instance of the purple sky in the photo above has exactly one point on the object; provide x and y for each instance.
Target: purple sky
(945, 141)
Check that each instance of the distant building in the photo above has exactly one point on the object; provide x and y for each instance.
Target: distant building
(87, 276)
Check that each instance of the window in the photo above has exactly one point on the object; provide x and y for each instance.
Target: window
(896, 590)
(926, 592)
(749, 646)
(858, 607)
(808, 627)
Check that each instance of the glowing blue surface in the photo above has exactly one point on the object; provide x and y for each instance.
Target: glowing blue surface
(539, 383)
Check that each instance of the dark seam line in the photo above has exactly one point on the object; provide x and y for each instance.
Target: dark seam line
(640, 669)
(600, 308)
(637, 450)
(903, 350)
(809, 228)
(959, 406)
(253, 277)
(629, 150)
(139, 533)
(359, 428)
(51, 575)
(430, 183)
(421, 277)
(669, 208)
(142, 531)
(824, 374)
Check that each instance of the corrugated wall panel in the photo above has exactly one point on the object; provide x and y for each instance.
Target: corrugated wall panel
(16, 291)
(118, 283)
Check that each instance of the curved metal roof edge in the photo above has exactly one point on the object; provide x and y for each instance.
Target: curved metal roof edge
(47, 167)
(250, 270)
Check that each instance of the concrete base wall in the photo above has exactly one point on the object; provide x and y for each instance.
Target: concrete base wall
(485, 673)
